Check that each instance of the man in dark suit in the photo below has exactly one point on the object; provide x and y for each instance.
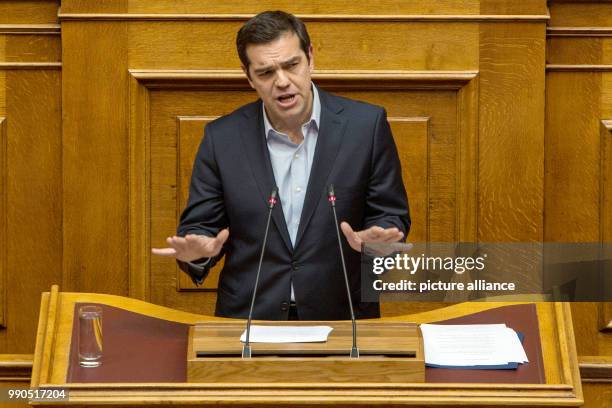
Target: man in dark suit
(301, 139)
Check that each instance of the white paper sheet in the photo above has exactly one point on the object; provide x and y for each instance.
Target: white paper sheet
(469, 345)
(287, 334)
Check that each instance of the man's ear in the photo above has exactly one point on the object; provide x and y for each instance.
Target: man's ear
(246, 72)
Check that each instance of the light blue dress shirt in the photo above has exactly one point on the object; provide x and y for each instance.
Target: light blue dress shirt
(291, 164)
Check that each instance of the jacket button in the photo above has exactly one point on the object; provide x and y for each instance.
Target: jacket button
(284, 306)
(295, 266)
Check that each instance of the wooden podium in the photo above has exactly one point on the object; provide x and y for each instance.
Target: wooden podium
(145, 362)
(389, 352)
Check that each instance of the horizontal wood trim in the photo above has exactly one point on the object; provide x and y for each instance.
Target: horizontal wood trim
(578, 32)
(309, 17)
(575, 68)
(30, 65)
(235, 79)
(595, 368)
(16, 367)
(41, 29)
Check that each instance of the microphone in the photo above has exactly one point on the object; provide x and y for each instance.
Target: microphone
(331, 197)
(246, 349)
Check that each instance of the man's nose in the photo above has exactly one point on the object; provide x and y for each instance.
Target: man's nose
(282, 81)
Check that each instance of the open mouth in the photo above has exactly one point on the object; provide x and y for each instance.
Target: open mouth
(286, 99)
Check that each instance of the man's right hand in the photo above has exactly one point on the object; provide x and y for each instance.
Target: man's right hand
(193, 247)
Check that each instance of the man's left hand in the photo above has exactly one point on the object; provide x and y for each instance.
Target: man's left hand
(372, 234)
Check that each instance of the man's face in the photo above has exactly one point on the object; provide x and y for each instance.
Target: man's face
(280, 73)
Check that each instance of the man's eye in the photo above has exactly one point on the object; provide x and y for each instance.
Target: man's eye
(265, 73)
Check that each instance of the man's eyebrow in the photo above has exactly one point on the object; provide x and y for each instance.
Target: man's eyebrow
(291, 60)
(263, 69)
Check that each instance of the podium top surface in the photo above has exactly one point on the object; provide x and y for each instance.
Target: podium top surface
(160, 335)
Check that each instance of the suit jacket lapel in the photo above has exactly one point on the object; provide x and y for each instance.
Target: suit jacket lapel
(331, 131)
(254, 141)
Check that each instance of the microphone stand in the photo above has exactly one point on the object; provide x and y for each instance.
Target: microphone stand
(331, 197)
(246, 349)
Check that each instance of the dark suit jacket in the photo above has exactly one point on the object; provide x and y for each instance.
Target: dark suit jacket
(232, 179)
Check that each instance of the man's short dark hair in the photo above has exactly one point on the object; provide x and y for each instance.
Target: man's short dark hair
(267, 27)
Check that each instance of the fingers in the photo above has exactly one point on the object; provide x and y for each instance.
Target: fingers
(378, 234)
(223, 235)
(193, 246)
(164, 251)
(352, 237)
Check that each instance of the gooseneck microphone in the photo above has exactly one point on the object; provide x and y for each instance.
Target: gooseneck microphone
(331, 197)
(246, 349)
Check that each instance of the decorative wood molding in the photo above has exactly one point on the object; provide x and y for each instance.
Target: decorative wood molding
(367, 80)
(31, 29)
(578, 32)
(3, 219)
(310, 17)
(50, 308)
(467, 152)
(143, 81)
(16, 367)
(578, 68)
(595, 368)
(605, 308)
(30, 65)
(139, 195)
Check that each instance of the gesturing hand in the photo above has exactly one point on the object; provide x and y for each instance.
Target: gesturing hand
(193, 247)
(372, 234)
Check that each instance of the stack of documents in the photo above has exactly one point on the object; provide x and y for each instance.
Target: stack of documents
(472, 346)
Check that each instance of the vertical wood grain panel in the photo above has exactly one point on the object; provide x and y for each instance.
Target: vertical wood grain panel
(572, 163)
(139, 194)
(189, 135)
(412, 138)
(511, 134)
(34, 187)
(95, 156)
(3, 219)
(605, 308)
(572, 157)
(467, 163)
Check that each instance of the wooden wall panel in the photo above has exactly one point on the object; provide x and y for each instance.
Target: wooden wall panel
(30, 164)
(511, 134)
(412, 138)
(190, 130)
(178, 115)
(572, 157)
(579, 13)
(33, 188)
(347, 7)
(95, 157)
(337, 45)
(578, 102)
(3, 220)
(29, 11)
